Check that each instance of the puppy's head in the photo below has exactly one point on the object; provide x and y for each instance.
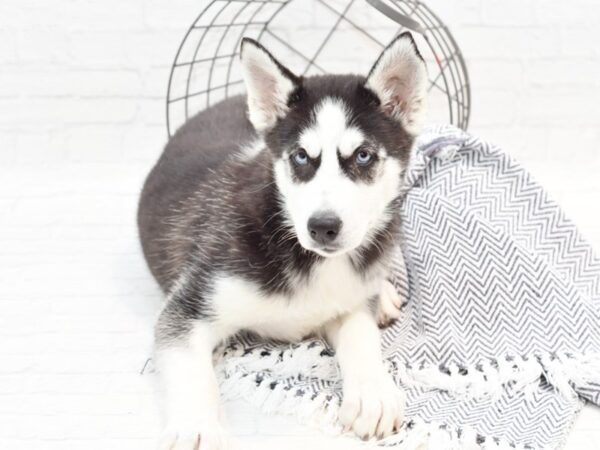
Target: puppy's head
(340, 143)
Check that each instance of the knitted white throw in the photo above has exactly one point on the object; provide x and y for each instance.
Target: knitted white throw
(499, 345)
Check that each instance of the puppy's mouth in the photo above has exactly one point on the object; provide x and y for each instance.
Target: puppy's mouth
(339, 247)
(329, 251)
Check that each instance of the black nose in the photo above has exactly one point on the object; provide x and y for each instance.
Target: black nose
(324, 228)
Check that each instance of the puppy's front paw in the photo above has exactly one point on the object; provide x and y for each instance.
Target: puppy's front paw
(389, 306)
(372, 406)
(207, 437)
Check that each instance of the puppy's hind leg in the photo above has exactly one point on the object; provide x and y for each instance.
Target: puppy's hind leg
(390, 302)
(191, 396)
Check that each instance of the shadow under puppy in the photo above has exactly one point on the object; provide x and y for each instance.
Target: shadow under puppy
(277, 213)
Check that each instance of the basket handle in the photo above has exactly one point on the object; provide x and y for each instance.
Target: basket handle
(396, 16)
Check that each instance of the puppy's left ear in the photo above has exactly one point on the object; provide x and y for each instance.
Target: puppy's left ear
(268, 83)
(399, 79)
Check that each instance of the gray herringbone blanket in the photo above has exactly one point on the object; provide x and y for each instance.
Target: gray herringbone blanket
(499, 345)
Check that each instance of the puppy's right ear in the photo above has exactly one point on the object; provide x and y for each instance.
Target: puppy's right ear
(399, 78)
(268, 83)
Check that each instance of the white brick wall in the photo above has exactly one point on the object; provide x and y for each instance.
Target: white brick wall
(82, 88)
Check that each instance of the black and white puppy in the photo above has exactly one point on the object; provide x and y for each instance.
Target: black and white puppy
(276, 213)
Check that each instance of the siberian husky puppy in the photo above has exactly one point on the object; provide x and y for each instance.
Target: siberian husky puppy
(276, 213)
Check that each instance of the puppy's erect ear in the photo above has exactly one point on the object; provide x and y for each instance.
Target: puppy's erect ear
(268, 82)
(399, 79)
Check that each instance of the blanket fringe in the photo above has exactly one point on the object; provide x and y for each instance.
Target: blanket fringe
(567, 372)
(274, 397)
(488, 378)
(564, 371)
(421, 435)
(272, 379)
(322, 412)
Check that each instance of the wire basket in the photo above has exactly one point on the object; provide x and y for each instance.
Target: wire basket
(312, 37)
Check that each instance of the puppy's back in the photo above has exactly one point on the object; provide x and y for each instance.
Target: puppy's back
(198, 148)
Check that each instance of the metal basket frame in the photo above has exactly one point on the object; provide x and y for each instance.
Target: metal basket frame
(452, 79)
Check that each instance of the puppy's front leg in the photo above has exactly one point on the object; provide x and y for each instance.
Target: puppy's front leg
(191, 393)
(373, 405)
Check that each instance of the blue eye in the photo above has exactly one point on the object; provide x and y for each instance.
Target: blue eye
(300, 157)
(363, 157)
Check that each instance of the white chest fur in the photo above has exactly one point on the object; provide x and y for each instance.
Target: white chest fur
(334, 288)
